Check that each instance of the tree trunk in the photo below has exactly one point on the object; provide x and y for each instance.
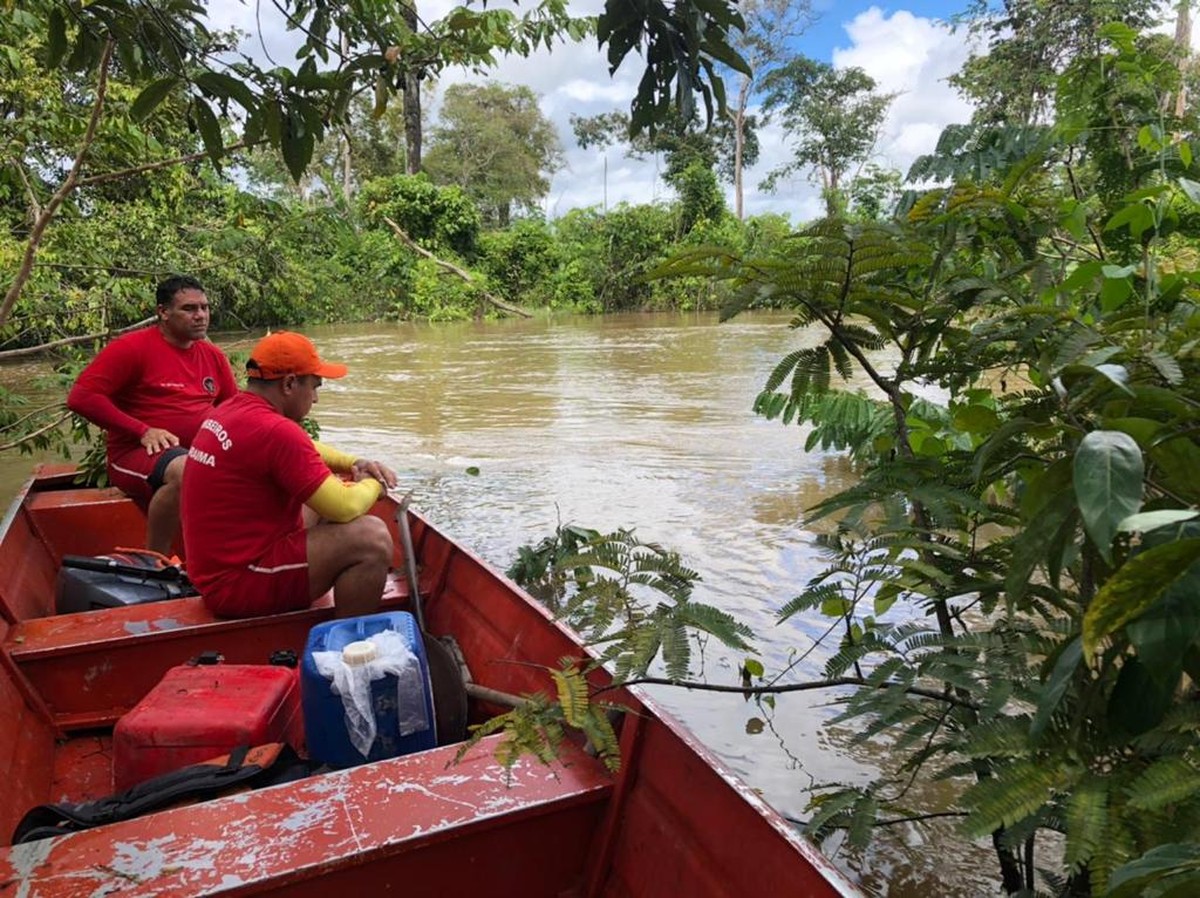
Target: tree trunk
(739, 141)
(346, 182)
(412, 123)
(412, 99)
(1183, 45)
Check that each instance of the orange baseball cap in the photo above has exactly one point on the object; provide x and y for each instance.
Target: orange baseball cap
(284, 352)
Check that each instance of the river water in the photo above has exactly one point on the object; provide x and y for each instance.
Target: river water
(638, 421)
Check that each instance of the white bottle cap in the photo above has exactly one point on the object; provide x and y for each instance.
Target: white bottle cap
(357, 654)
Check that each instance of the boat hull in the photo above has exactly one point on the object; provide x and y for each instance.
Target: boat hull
(673, 821)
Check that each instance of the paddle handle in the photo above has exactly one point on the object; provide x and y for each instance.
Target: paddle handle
(410, 562)
(112, 566)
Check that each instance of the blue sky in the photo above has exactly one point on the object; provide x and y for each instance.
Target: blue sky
(829, 29)
(906, 46)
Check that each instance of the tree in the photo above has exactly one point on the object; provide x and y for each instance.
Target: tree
(770, 26)
(493, 141)
(681, 142)
(1029, 44)
(833, 117)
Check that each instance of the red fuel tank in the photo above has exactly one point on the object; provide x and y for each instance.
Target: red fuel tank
(198, 713)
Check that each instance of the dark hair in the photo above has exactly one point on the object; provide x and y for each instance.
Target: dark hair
(164, 294)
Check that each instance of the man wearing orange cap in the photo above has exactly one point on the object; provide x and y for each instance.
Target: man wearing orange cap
(268, 524)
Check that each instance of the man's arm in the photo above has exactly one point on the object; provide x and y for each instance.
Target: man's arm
(107, 374)
(362, 468)
(340, 502)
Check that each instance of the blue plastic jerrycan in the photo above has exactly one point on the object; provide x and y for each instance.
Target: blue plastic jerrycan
(397, 703)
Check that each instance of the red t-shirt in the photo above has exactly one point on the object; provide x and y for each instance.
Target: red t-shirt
(249, 472)
(139, 381)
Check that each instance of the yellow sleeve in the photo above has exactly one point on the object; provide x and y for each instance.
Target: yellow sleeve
(338, 461)
(340, 502)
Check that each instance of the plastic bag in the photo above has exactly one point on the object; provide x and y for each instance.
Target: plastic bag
(353, 684)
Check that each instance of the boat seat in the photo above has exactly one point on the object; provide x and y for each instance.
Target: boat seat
(120, 653)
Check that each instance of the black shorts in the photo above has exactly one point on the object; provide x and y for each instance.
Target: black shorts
(160, 466)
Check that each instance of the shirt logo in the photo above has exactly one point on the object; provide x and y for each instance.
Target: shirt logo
(210, 385)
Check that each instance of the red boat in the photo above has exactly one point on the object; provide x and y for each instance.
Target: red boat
(673, 822)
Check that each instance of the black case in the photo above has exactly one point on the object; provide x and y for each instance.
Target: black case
(86, 583)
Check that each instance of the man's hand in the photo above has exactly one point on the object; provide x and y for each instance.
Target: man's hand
(364, 468)
(156, 440)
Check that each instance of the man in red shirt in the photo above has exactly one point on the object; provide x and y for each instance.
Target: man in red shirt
(150, 390)
(268, 525)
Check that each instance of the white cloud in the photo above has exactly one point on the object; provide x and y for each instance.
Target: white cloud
(912, 57)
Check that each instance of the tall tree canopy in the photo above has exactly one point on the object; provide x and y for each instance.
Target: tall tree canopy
(1028, 45)
(832, 115)
(770, 25)
(493, 141)
(682, 142)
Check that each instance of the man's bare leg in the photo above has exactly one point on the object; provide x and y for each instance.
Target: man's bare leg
(353, 558)
(162, 517)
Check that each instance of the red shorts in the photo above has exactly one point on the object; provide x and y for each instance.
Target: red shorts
(138, 475)
(277, 582)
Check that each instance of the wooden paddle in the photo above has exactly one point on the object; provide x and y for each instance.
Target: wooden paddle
(446, 682)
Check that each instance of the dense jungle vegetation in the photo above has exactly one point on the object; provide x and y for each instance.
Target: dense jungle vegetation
(1013, 583)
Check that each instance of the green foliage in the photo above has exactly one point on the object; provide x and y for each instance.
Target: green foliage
(678, 41)
(438, 218)
(629, 598)
(437, 295)
(493, 142)
(521, 262)
(1013, 577)
(832, 115)
(538, 726)
(700, 198)
(1029, 43)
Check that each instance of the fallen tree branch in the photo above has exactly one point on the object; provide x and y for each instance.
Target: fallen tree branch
(30, 415)
(92, 180)
(7, 354)
(455, 270)
(792, 687)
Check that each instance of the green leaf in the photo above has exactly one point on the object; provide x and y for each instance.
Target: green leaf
(1056, 687)
(151, 96)
(56, 40)
(1135, 586)
(753, 667)
(1190, 187)
(1140, 698)
(210, 129)
(1178, 863)
(1152, 520)
(1163, 635)
(1108, 471)
(473, 471)
(1138, 217)
(223, 86)
(296, 143)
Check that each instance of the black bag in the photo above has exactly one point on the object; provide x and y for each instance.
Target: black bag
(123, 577)
(243, 768)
